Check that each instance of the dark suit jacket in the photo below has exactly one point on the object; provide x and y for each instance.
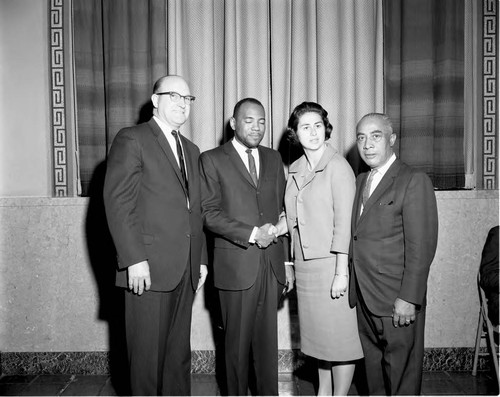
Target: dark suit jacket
(489, 262)
(147, 210)
(489, 273)
(232, 206)
(394, 241)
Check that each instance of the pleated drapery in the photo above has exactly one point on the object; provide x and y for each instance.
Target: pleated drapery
(279, 51)
(424, 84)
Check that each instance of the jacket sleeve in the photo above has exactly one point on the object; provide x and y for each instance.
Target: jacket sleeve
(121, 190)
(420, 228)
(343, 191)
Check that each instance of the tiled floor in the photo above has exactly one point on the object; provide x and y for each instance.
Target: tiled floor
(434, 383)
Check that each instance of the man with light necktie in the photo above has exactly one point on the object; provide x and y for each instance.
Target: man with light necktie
(153, 206)
(394, 228)
(243, 187)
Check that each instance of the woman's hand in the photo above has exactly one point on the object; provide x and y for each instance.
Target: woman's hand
(339, 285)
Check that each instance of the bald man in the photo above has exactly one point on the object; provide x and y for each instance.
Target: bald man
(152, 201)
(394, 228)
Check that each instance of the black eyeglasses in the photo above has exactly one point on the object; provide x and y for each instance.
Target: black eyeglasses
(176, 97)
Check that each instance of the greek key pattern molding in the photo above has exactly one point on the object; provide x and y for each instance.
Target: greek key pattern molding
(490, 89)
(57, 95)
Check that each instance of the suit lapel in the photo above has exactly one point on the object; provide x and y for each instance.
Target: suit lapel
(262, 165)
(300, 172)
(386, 182)
(357, 199)
(296, 172)
(238, 162)
(188, 158)
(162, 141)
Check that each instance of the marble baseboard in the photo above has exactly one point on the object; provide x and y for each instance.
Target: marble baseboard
(203, 361)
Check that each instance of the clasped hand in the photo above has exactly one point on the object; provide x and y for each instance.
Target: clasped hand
(265, 235)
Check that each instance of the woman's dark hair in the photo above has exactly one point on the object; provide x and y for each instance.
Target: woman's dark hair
(306, 107)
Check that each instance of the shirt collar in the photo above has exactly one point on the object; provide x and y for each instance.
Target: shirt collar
(167, 132)
(383, 169)
(241, 149)
(164, 126)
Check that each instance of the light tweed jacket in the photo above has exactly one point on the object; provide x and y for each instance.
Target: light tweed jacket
(319, 204)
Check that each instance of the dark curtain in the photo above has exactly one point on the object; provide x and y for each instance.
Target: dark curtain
(424, 85)
(116, 63)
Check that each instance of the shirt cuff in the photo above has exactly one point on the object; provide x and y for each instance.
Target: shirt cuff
(251, 240)
(288, 263)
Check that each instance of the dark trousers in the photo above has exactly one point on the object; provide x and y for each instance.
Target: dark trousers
(250, 322)
(158, 330)
(393, 356)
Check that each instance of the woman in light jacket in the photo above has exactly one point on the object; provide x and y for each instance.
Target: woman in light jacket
(319, 196)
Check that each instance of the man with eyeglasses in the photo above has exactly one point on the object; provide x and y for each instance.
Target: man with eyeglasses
(152, 200)
(394, 237)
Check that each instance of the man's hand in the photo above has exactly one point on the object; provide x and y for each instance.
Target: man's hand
(280, 228)
(263, 238)
(139, 278)
(403, 313)
(273, 230)
(203, 276)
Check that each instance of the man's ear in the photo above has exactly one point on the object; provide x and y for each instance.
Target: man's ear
(392, 139)
(232, 123)
(154, 100)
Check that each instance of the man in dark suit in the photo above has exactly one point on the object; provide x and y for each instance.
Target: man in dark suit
(488, 270)
(243, 187)
(152, 200)
(394, 238)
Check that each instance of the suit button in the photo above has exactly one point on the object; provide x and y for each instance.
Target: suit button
(305, 246)
(355, 238)
(261, 214)
(188, 235)
(302, 223)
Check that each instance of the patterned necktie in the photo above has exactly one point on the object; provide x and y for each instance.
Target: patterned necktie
(251, 166)
(181, 160)
(366, 191)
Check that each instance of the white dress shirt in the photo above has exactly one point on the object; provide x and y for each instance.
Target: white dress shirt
(241, 149)
(167, 131)
(381, 171)
(377, 177)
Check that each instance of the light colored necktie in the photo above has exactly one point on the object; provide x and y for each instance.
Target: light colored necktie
(366, 191)
(251, 166)
(181, 160)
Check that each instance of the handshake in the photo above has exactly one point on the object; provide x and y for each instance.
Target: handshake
(265, 235)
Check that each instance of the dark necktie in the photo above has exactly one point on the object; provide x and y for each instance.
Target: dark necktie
(251, 167)
(366, 191)
(181, 160)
